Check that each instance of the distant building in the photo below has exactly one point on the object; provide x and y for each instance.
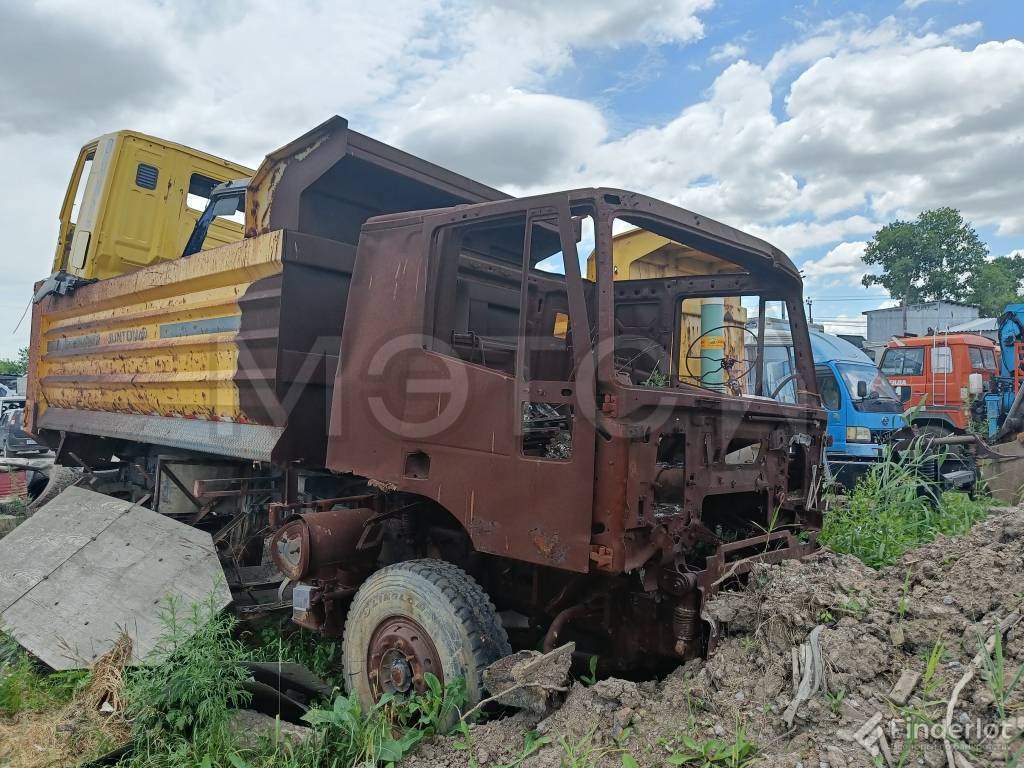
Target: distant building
(983, 326)
(914, 320)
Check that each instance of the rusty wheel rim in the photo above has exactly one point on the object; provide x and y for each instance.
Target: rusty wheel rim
(399, 656)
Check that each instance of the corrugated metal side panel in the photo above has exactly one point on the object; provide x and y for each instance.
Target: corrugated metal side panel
(165, 340)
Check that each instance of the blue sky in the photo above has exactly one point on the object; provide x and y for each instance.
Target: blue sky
(810, 124)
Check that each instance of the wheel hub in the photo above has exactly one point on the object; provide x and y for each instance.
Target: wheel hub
(399, 656)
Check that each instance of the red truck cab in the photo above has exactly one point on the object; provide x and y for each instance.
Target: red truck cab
(934, 371)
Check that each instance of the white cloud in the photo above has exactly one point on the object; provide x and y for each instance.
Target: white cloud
(845, 259)
(727, 52)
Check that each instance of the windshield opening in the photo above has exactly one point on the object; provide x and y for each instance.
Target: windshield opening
(878, 394)
(687, 318)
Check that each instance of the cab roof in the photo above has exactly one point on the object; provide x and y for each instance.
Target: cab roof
(626, 204)
(241, 169)
(941, 340)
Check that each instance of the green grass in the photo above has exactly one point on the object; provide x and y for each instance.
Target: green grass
(26, 686)
(1000, 681)
(281, 640)
(181, 708)
(384, 734)
(740, 752)
(893, 509)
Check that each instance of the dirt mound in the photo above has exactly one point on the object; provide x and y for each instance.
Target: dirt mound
(894, 644)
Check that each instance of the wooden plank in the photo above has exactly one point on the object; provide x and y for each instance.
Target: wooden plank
(118, 580)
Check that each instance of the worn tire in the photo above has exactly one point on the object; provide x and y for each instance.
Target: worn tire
(60, 478)
(450, 606)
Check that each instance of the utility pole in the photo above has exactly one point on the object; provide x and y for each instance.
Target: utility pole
(810, 312)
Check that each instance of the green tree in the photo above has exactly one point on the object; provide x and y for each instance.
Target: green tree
(934, 257)
(16, 367)
(997, 283)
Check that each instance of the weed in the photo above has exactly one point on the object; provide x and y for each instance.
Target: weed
(391, 729)
(532, 742)
(656, 379)
(182, 707)
(584, 753)
(283, 641)
(930, 682)
(715, 753)
(592, 677)
(854, 607)
(894, 508)
(17, 507)
(826, 617)
(835, 700)
(994, 672)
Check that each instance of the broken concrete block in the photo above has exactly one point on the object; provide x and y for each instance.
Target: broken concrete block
(900, 693)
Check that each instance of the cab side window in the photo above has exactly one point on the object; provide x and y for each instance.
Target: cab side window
(942, 360)
(829, 388)
(479, 284)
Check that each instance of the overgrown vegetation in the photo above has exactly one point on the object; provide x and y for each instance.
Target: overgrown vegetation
(26, 687)
(1001, 682)
(183, 708)
(738, 752)
(894, 508)
(278, 639)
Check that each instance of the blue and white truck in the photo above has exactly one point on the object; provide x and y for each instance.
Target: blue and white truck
(863, 408)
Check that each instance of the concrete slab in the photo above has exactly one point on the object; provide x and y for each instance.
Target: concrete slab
(86, 567)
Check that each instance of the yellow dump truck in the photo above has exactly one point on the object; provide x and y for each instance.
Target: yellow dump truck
(169, 354)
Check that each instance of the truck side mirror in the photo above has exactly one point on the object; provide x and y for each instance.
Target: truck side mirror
(862, 389)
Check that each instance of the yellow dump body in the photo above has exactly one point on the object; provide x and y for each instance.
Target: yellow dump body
(124, 356)
(133, 201)
(231, 351)
(641, 255)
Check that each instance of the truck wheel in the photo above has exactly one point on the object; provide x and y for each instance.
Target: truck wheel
(416, 617)
(60, 479)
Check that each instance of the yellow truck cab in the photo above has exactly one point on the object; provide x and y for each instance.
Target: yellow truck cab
(133, 201)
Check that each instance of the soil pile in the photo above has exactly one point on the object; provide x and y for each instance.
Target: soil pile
(894, 647)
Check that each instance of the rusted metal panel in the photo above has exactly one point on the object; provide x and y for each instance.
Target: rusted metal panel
(298, 186)
(87, 567)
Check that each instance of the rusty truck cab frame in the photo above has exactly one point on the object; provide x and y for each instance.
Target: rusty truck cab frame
(430, 410)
